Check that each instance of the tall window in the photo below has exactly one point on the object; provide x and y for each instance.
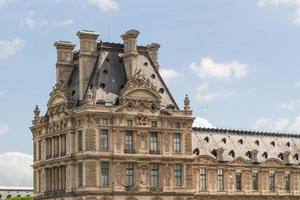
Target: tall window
(49, 147)
(272, 181)
(221, 179)
(255, 180)
(176, 143)
(178, 175)
(80, 175)
(63, 145)
(39, 150)
(104, 174)
(79, 141)
(154, 175)
(104, 139)
(202, 179)
(130, 174)
(153, 143)
(238, 181)
(287, 181)
(129, 142)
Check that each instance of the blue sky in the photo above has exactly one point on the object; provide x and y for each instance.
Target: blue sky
(238, 60)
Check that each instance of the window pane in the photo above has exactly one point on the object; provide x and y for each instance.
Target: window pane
(129, 142)
(80, 175)
(178, 175)
(221, 179)
(287, 182)
(202, 179)
(176, 143)
(104, 174)
(80, 144)
(153, 143)
(272, 181)
(104, 140)
(130, 174)
(255, 181)
(238, 177)
(154, 175)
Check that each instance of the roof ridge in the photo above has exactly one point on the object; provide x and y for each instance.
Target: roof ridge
(247, 132)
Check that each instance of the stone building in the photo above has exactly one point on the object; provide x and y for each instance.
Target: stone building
(11, 192)
(112, 130)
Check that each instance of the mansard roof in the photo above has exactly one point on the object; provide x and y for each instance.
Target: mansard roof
(243, 143)
(109, 76)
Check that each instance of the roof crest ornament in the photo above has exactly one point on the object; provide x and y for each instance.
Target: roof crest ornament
(139, 80)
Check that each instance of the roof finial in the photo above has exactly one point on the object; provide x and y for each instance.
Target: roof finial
(36, 115)
(187, 103)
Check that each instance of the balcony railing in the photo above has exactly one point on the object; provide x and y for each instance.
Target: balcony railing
(156, 189)
(129, 151)
(154, 151)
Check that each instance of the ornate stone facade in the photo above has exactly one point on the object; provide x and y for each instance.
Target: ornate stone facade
(112, 130)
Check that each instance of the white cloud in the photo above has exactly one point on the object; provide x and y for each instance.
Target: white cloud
(209, 97)
(4, 128)
(269, 124)
(287, 3)
(295, 125)
(209, 69)
(201, 122)
(10, 47)
(105, 5)
(33, 22)
(15, 169)
(202, 87)
(288, 106)
(169, 74)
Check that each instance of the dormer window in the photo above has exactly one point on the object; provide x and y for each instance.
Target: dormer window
(224, 140)
(265, 155)
(280, 156)
(196, 151)
(214, 153)
(273, 143)
(145, 64)
(296, 156)
(241, 141)
(161, 90)
(102, 85)
(107, 59)
(248, 154)
(256, 142)
(153, 76)
(232, 153)
(206, 139)
(288, 144)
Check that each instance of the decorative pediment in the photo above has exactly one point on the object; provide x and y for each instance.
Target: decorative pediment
(239, 161)
(273, 162)
(205, 159)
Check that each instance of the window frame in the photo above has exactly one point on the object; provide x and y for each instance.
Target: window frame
(104, 173)
(178, 172)
(177, 142)
(202, 179)
(104, 139)
(221, 181)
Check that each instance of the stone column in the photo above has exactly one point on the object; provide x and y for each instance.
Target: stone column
(153, 53)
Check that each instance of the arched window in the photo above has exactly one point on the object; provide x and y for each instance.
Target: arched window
(214, 152)
(265, 155)
(248, 154)
(224, 140)
(273, 143)
(280, 156)
(232, 153)
(241, 141)
(296, 156)
(288, 144)
(206, 139)
(196, 151)
(257, 142)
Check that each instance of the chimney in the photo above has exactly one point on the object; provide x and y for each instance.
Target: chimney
(153, 53)
(87, 58)
(219, 154)
(130, 52)
(253, 154)
(64, 63)
(286, 156)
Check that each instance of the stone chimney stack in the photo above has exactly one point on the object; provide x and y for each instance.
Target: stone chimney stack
(130, 52)
(64, 63)
(153, 53)
(87, 58)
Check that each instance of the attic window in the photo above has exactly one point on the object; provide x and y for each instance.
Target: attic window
(120, 60)
(265, 155)
(122, 86)
(145, 64)
(256, 142)
(153, 76)
(102, 85)
(280, 156)
(196, 151)
(248, 154)
(161, 90)
(232, 153)
(241, 141)
(273, 143)
(214, 153)
(73, 92)
(288, 144)
(224, 140)
(107, 59)
(206, 139)
(105, 71)
(296, 157)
